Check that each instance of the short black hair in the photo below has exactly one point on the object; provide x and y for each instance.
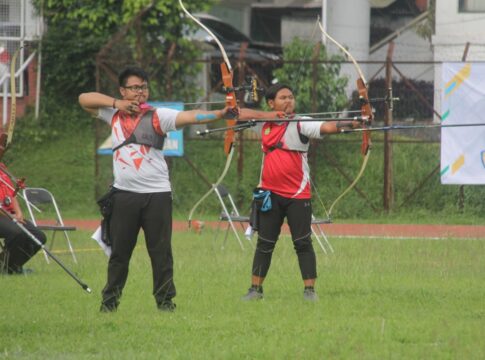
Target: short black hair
(132, 71)
(273, 90)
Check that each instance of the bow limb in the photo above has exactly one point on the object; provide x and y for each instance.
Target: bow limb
(214, 186)
(345, 51)
(365, 110)
(227, 80)
(221, 48)
(13, 94)
(351, 186)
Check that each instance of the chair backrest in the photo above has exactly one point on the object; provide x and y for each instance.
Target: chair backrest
(223, 190)
(45, 201)
(38, 196)
(224, 193)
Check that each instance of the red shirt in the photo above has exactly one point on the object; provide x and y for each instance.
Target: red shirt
(6, 191)
(4, 57)
(285, 172)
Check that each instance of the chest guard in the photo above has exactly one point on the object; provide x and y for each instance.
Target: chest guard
(292, 140)
(144, 134)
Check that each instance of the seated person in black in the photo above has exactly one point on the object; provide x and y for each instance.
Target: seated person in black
(19, 247)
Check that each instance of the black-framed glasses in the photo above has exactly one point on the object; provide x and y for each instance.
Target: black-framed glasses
(137, 88)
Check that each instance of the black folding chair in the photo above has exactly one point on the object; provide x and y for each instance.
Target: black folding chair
(51, 216)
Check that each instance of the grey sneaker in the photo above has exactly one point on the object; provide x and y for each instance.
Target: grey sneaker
(309, 294)
(253, 294)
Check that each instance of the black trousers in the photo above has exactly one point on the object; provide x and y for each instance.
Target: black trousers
(19, 246)
(299, 216)
(151, 212)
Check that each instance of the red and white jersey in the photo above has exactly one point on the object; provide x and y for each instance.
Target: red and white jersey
(286, 172)
(139, 168)
(6, 191)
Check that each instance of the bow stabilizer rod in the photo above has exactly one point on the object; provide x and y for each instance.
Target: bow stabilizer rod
(409, 127)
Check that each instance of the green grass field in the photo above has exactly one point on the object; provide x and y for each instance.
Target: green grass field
(379, 298)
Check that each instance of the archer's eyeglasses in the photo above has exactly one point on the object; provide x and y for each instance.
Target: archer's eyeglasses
(137, 88)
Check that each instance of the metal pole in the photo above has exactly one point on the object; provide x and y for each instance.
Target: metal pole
(388, 197)
(44, 248)
(461, 191)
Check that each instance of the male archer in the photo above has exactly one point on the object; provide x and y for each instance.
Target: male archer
(141, 195)
(285, 186)
(19, 248)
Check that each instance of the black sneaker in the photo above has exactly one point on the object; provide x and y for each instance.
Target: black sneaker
(19, 271)
(167, 305)
(108, 308)
(254, 293)
(309, 294)
(24, 271)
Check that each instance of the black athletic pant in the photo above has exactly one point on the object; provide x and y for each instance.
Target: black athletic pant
(19, 246)
(299, 216)
(151, 212)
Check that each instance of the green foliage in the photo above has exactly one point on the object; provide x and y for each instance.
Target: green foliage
(426, 29)
(56, 152)
(317, 87)
(378, 299)
(137, 31)
(95, 17)
(69, 69)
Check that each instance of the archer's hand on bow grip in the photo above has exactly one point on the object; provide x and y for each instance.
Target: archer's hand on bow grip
(280, 115)
(366, 111)
(231, 113)
(276, 116)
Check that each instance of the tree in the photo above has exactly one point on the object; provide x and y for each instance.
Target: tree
(315, 81)
(426, 29)
(152, 37)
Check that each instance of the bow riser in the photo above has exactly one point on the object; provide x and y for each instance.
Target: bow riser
(231, 101)
(366, 111)
(227, 78)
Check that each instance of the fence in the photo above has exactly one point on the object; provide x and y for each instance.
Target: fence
(401, 186)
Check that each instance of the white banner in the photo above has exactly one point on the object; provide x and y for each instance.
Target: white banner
(463, 102)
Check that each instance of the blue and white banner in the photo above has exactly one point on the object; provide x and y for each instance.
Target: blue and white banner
(463, 102)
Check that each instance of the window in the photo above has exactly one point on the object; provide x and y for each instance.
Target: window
(471, 6)
(4, 11)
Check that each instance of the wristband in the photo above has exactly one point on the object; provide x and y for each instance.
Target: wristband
(114, 103)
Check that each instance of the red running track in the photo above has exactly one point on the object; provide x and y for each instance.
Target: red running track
(354, 230)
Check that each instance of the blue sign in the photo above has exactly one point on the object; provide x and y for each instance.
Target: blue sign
(174, 142)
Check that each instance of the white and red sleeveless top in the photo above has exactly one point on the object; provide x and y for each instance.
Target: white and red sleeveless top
(285, 167)
(139, 168)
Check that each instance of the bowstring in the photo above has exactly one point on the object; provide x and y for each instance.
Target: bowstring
(297, 80)
(315, 190)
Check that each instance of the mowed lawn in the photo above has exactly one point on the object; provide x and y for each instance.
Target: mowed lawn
(379, 298)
